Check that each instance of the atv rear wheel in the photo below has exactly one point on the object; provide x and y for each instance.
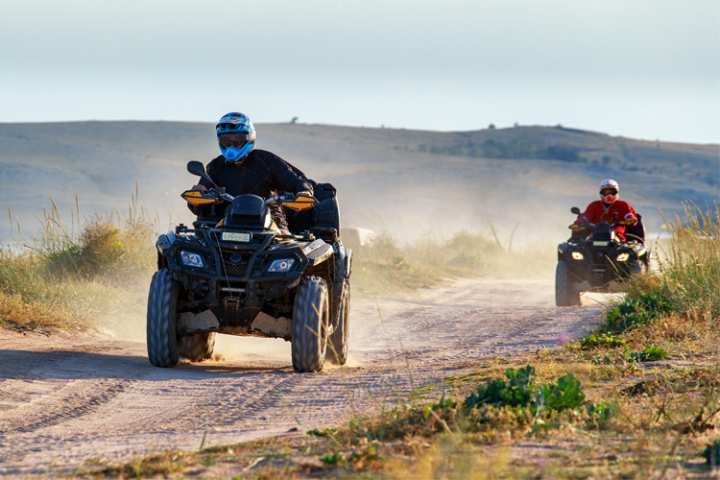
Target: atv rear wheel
(197, 347)
(566, 292)
(337, 351)
(311, 316)
(161, 319)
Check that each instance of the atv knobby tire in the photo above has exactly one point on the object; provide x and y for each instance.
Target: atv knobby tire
(311, 315)
(566, 292)
(162, 342)
(337, 351)
(197, 347)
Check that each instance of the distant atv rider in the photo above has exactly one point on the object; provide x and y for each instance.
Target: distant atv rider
(241, 169)
(609, 209)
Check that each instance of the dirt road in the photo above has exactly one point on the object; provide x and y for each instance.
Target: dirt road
(65, 401)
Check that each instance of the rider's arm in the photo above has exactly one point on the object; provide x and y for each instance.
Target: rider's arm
(204, 184)
(285, 178)
(590, 215)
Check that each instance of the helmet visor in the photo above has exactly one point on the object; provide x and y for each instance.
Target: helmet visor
(233, 139)
(608, 191)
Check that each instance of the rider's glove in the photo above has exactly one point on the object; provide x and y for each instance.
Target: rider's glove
(199, 188)
(304, 193)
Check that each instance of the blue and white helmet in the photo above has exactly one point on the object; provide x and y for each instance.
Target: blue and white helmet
(236, 136)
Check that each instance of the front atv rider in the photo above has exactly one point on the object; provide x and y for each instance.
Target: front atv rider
(609, 209)
(242, 169)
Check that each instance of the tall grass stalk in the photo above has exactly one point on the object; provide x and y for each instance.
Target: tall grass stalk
(690, 268)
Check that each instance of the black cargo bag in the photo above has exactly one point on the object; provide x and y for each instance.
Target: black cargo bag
(323, 219)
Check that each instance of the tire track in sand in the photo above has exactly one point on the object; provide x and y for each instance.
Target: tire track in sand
(63, 403)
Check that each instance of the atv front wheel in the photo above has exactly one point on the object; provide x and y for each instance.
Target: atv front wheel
(566, 292)
(162, 345)
(338, 348)
(311, 315)
(197, 347)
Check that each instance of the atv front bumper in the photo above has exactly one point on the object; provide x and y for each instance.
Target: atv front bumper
(207, 290)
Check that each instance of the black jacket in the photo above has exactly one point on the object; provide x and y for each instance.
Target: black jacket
(262, 173)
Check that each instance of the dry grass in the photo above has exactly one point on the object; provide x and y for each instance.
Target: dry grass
(66, 280)
(640, 419)
(385, 266)
(71, 275)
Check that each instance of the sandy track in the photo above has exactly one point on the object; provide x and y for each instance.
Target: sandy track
(65, 401)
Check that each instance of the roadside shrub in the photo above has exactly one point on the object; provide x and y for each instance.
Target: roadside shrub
(102, 248)
(67, 278)
(520, 390)
(564, 394)
(637, 310)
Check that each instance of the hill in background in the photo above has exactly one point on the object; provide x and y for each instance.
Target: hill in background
(408, 182)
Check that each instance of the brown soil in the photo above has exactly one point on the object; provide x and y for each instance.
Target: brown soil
(68, 400)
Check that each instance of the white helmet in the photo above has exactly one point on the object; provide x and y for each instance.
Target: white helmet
(608, 184)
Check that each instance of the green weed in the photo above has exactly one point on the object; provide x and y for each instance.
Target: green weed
(520, 390)
(600, 413)
(637, 310)
(601, 340)
(651, 353)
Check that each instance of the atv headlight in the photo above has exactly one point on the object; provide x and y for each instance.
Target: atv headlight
(623, 257)
(281, 265)
(268, 220)
(190, 259)
(577, 256)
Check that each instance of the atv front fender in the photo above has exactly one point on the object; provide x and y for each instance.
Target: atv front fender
(317, 252)
(163, 243)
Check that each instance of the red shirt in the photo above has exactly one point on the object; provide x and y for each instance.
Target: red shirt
(618, 214)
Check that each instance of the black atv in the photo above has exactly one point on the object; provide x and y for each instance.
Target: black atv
(243, 276)
(594, 257)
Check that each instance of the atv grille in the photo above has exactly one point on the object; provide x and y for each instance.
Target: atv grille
(235, 263)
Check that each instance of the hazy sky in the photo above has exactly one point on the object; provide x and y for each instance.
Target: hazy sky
(642, 68)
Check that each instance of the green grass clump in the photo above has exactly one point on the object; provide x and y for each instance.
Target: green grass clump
(604, 340)
(600, 413)
(651, 353)
(636, 310)
(520, 390)
(688, 280)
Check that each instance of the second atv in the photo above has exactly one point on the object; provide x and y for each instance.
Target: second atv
(594, 257)
(242, 276)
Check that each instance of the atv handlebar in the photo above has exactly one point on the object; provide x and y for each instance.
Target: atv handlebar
(291, 200)
(217, 193)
